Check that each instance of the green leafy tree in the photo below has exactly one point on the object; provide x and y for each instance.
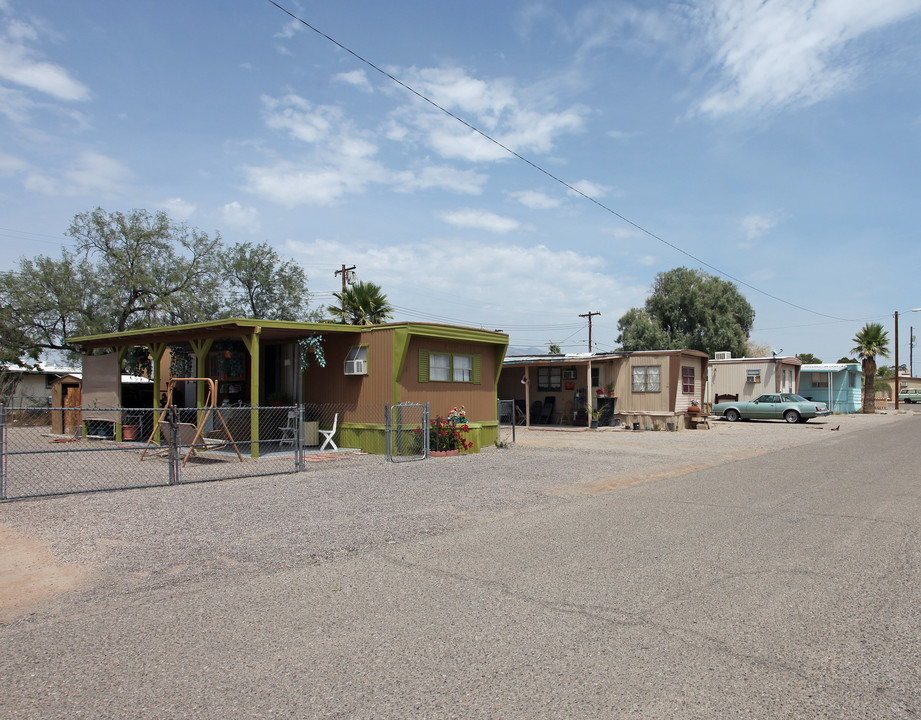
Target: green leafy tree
(129, 270)
(555, 349)
(42, 302)
(363, 303)
(847, 361)
(809, 359)
(869, 342)
(150, 269)
(262, 285)
(689, 309)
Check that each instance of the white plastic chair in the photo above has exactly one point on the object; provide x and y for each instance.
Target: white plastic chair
(328, 434)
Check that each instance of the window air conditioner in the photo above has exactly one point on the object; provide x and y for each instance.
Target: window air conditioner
(355, 367)
(722, 355)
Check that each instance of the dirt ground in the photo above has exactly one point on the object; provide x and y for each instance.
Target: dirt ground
(29, 572)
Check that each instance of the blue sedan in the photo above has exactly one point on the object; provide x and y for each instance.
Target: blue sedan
(773, 406)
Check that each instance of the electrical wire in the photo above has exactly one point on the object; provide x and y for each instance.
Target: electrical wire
(546, 172)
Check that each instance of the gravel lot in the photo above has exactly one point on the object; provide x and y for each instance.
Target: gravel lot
(80, 547)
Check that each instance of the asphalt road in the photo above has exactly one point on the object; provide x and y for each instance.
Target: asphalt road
(780, 586)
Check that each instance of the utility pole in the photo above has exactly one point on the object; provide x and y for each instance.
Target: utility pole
(344, 272)
(589, 316)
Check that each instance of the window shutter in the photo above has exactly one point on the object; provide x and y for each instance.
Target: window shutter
(475, 373)
(423, 366)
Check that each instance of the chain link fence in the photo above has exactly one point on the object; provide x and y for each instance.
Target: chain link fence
(52, 451)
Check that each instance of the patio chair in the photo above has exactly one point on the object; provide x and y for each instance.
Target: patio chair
(328, 435)
(289, 430)
(546, 414)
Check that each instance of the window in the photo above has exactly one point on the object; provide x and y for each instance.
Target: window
(687, 379)
(646, 379)
(549, 379)
(819, 380)
(448, 367)
(356, 360)
(439, 367)
(463, 368)
(852, 380)
(753, 376)
(359, 352)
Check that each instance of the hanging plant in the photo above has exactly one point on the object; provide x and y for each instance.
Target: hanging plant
(312, 344)
(180, 362)
(229, 364)
(137, 361)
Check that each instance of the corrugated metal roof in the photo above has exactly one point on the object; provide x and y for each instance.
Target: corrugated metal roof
(829, 367)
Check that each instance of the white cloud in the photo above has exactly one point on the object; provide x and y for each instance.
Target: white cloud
(487, 284)
(10, 165)
(355, 78)
(536, 200)
(290, 29)
(443, 177)
(480, 220)
(787, 52)
(92, 173)
(341, 162)
(178, 208)
(237, 216)
(494, 107)
(589, 188)
(299, 118)
(756, 225)
(23, 66)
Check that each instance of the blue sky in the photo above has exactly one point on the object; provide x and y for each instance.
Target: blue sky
(776, 142)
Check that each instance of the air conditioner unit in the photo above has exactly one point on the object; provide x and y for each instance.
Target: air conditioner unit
(356, 367)
(722, 355)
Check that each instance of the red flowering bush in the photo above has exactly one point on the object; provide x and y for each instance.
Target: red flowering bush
(449, 433)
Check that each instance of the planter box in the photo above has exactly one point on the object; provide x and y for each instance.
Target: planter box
(443, 453)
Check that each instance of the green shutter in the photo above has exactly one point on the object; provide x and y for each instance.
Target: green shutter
(476, 370)
(423, 366)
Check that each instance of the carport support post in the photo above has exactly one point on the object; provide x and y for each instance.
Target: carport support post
(252, 344)
(156, 354)
(201, 348)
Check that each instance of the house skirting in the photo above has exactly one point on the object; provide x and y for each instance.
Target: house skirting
(651, 420)
(372, 437)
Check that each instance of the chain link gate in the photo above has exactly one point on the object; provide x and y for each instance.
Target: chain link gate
(506, 412)
(407, 432)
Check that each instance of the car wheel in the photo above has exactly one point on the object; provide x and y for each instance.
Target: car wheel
(732, 415)
(791, 416)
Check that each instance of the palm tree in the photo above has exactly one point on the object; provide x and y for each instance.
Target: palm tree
(871, 341)
(362, 304)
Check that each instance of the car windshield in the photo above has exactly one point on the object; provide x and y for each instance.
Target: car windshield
(787, 397)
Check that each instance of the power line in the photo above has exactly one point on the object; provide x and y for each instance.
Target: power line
(540, 169)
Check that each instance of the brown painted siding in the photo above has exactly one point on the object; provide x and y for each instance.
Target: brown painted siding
(478, 400)
(332, 385)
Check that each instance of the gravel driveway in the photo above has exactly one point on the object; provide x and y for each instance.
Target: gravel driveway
(72, 548)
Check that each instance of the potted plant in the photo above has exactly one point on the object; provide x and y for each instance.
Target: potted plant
(609, 389)
(596, 416)
(600, 391)
(694, 407)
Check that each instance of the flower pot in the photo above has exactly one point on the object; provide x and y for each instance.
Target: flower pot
(129, 432)
(693, 410)
(443, 453)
